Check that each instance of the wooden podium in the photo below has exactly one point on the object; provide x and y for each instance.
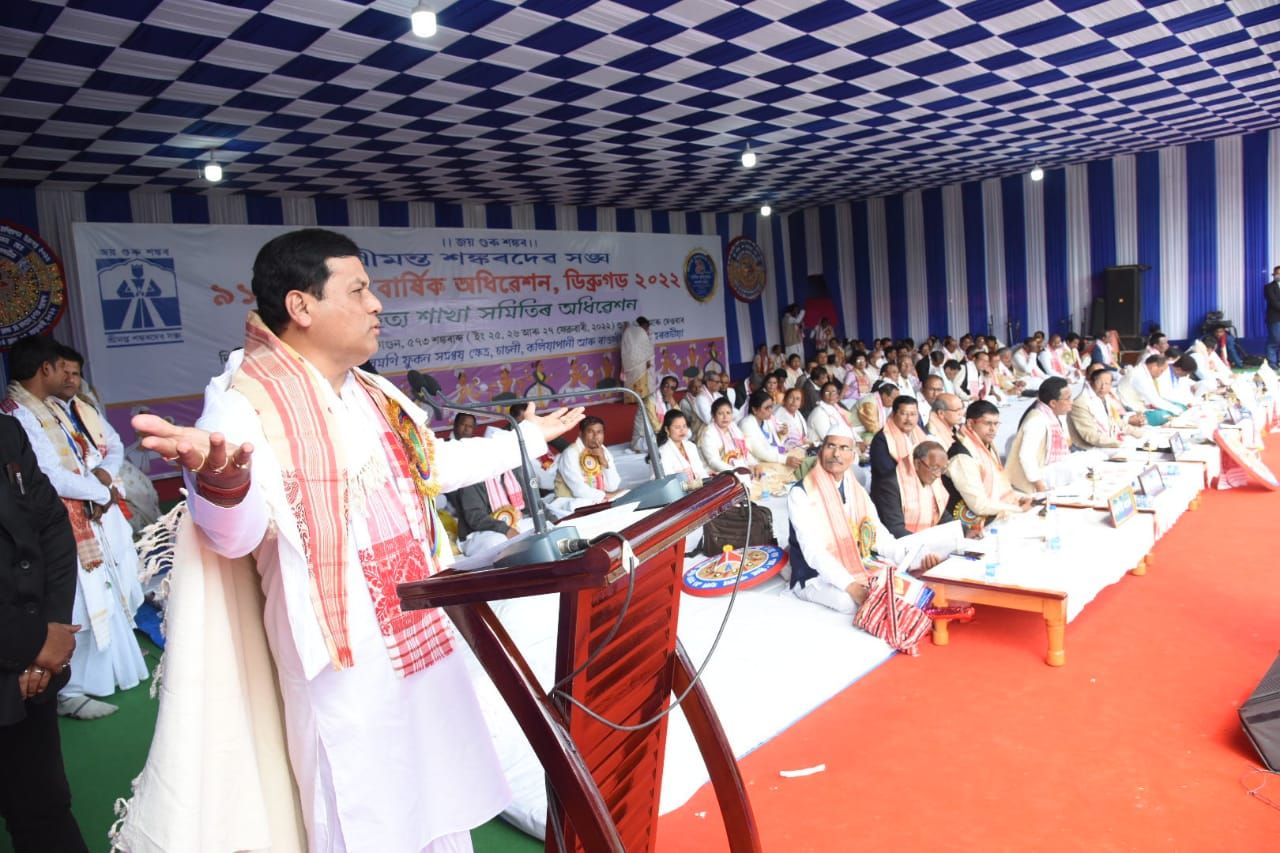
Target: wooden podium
(604, 783)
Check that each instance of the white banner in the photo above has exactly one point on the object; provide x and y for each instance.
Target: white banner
(490, 313)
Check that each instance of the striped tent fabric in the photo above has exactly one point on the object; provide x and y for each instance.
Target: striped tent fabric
(999, 254)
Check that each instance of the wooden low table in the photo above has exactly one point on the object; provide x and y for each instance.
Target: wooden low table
(1055, 584)
(1051, 604)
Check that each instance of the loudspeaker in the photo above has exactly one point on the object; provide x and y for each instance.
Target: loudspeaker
(1098, 317)
(1260, 717)
(1123, 287)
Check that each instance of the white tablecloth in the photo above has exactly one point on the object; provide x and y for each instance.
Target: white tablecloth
(1094, 554)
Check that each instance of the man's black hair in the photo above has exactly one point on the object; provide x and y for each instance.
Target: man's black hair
(30, 354)
(295, 261)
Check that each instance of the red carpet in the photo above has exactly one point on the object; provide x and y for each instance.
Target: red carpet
(1133, 745)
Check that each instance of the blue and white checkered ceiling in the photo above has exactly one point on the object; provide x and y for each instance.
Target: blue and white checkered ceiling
(634, 103)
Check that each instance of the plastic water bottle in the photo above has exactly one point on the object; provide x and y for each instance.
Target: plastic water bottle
(993, 552)
(1052, 535)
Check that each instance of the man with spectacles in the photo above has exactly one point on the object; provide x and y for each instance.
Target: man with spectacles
(922, 496)
(835, 528)
(975, 476)
(945, 417)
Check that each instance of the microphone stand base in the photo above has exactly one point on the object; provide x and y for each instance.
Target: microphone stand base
(538, 548)
(656, 493)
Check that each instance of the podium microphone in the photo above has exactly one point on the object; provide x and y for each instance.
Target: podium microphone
(547, 544)
(659, 491)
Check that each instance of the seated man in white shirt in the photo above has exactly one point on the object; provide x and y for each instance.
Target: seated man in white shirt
(1183, 387)
(712, 390)
(1005, 376)
(689, 404)
(953, 376)
(1139, 390)
(835, 528)
(585, 470)
(1157, 344)
(1026, 365)
(985, 386)
(1042, 440)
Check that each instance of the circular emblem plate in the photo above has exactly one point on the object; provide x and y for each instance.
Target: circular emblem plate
(700, 275)
(745, 269)
(715, 576)
(33, 291)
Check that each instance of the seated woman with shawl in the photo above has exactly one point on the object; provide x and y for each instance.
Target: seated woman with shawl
(828, 411)
(678, 453)
(790, 424)
(723, 446)
(761, 432)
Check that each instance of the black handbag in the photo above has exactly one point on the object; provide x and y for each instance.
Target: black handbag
(730, 528)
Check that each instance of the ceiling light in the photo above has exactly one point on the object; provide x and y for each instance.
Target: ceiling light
(1037, 174)
(765, 209)
(748, 157)
(211, 171)
(423, 21)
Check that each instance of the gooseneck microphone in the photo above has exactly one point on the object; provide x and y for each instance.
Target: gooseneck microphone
(659, 491)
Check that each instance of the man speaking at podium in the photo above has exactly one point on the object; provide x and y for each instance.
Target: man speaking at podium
(326, 476)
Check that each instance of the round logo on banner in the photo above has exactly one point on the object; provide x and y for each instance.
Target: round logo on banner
(700, 275)
(715, 575)
(745, 269)
(33, 291)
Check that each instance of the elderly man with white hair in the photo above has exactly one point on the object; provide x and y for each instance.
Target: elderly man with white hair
(835, 528)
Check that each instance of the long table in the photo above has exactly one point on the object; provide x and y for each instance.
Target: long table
(1094, 553)
(1054, 583)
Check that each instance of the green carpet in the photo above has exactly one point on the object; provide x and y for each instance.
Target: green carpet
(103, 756)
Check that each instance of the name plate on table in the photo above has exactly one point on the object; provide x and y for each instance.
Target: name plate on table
(1151, 481)
(1177, 445)
(1122, 505)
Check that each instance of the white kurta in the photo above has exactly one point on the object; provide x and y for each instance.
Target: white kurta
(761, 444)
(798, 433)
(674, 463)
(1138, 389)
(381, 762)
(107, 655)
(570, 470)
(830, 587)
(636, 353)
(711, 445)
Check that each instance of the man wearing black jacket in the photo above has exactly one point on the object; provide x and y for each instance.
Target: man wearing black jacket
(37, 588)
(1272, 293)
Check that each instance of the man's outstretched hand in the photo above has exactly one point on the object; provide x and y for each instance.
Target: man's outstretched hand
(206, 454)
(556, 423)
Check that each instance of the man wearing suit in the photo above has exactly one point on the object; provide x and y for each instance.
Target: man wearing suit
(811, 386)
(1272, 292)
(37, 588)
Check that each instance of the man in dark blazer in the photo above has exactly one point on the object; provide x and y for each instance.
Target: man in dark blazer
(884, 490)
(1272, 293)
(37, 588)
(811, 387)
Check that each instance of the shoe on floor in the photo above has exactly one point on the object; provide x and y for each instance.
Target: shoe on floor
(84, 708)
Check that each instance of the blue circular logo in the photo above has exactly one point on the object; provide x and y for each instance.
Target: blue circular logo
(700, 275)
